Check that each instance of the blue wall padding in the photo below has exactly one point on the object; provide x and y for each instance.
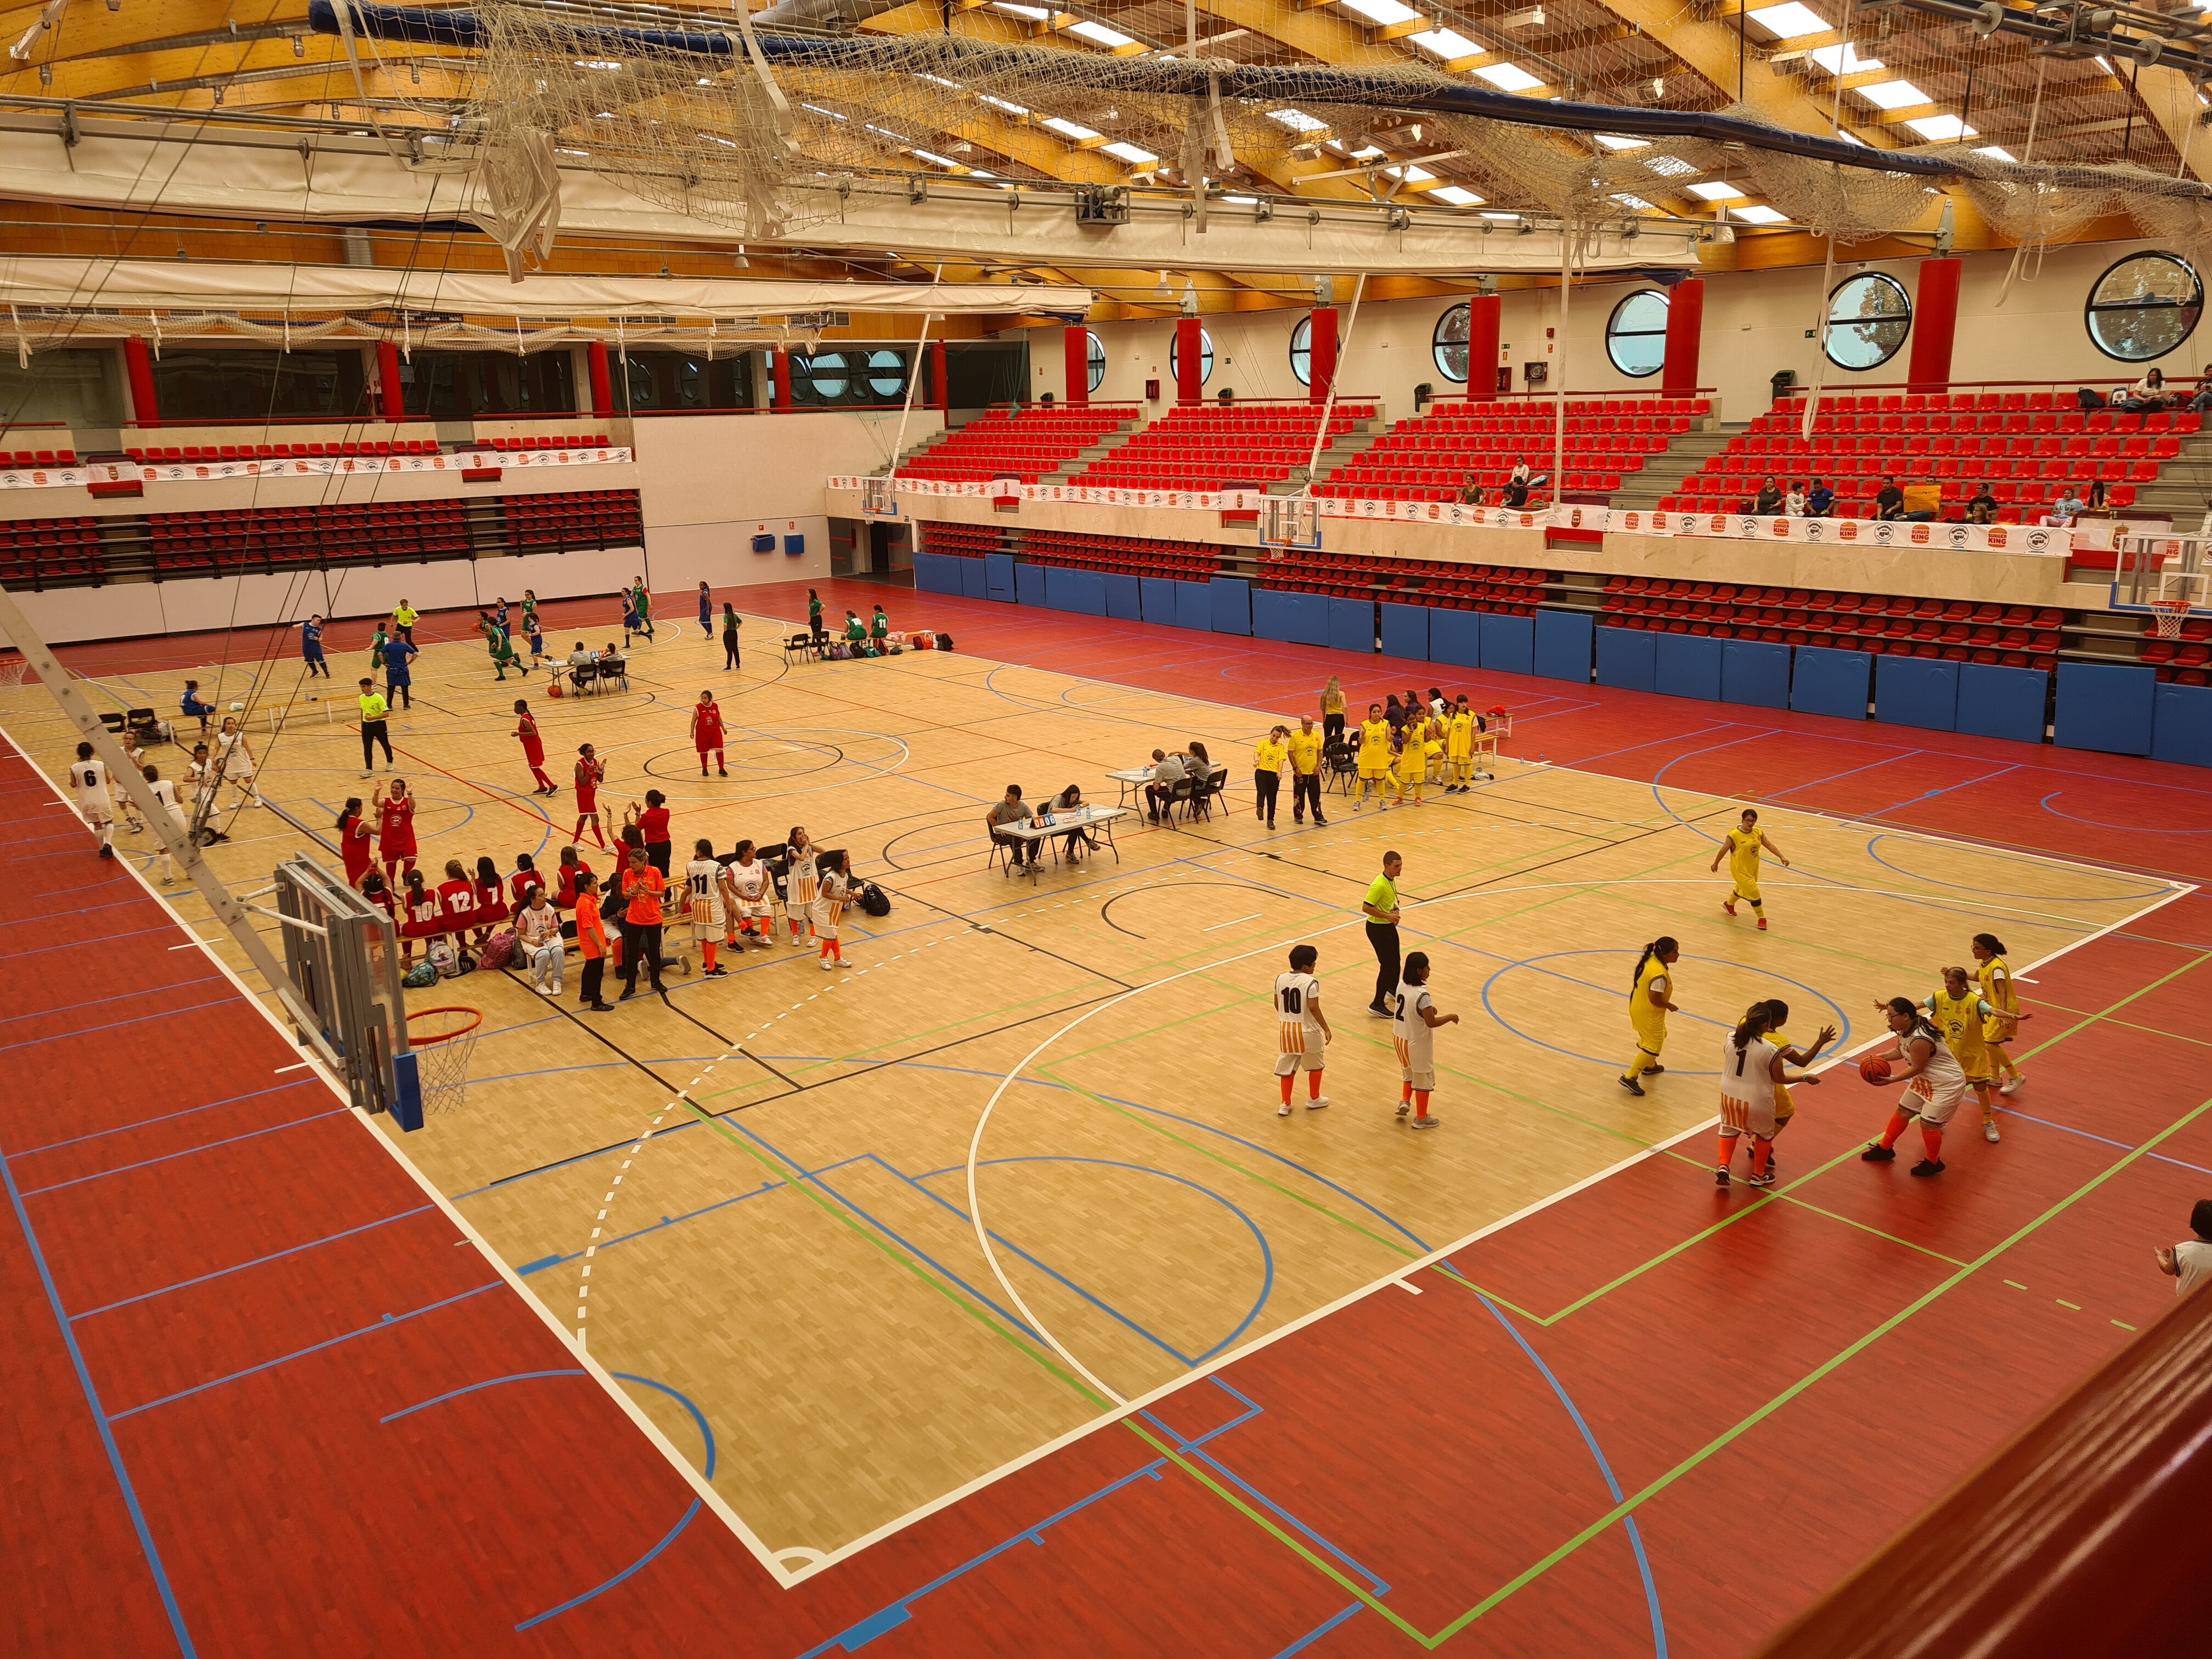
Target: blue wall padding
(974, 578)
(1159, 593)
(1030, 584)
(1125, 597)
(1194, 606)
(1918, 691)
(1271, 614)
(931, 573)
(1690, 666)
(2108, 709)
(999, 576)
(1352, 625)
(1824, 681)
(1080, 591)
(1509, 643)
(2002, 703)
(1405, 631)
(1308, 615)
(1628, 659)
(2181, 725)
(1231, 604)
(1456, 637)
(1563, 645)
(1755, 672)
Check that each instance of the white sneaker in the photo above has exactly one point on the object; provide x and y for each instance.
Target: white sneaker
(1316, 1103)
(1283, 1110)
(827, 964)
(1990, 1131)
(2011, 1086)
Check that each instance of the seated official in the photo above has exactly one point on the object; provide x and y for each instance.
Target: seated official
(1009, 811)
(1167, 770)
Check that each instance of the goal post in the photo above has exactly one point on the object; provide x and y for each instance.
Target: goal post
(2169, 576)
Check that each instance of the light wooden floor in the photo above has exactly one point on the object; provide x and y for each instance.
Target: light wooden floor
(789, 1245)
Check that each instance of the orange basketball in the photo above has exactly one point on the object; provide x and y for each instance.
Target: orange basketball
(1873, 1070)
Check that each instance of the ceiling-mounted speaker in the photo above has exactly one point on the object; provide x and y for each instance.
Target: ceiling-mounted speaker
(2147, 51)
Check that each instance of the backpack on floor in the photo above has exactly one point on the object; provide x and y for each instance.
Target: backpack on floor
(841, 652)
(420, 976)
(874, 900)
(442, 956)
(499, 949)
(945, 641)
(922, 642)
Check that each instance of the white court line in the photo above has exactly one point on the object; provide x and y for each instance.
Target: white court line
(1218, 925)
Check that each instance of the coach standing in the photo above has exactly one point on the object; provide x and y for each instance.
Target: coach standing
(1381, 909)
(642, 886)
(1304, 746)
(373, 730)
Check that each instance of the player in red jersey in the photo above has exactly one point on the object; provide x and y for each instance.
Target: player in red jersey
(651, 823)
(355, 846)
(533, 748)
(590, 771)
(707, 732)
(457, 900)
(525, 878)
(395, 829)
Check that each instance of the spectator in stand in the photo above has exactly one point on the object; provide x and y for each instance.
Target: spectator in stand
(2069, 506)
(1889, 500)
(2097, 488)
(1819, 501)
(1516, 488)
(1793, 502)
(1522, 475)
(1981, 505)
(2203, 400)
(1769, 499)
(1470, 492)
(2146, 396)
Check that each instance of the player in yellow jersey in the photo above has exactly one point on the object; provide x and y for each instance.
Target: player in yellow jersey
(1410, 768)
(1459, 747)
(1304, 748)
(1374, 760)
(1995, 977)
(1432, 748)
(1267, 757)
(1960, 1013)
(1742, 847)
(1650, 1002)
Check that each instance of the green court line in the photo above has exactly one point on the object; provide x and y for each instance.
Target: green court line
(2129, 1025)
(1729, 1435)
(2090, 1019)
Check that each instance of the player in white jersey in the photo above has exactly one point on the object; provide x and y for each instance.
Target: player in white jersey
(1302, 1032)
(166, 794)
(95, 796)
(1413, 1022)
(749, 896)
(833, 886)
(234, 762)
(1751, 1069)
(1922, 1059)
(702, 882)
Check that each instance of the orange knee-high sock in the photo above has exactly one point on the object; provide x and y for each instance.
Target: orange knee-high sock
(707, 950)
(1286, 1082)
(1727, 1155)
(1897, 1122)
(1761, 1151)
(1420, 1102)
(1313, 1085)
(1932, 1138)
(837, 949)
(1405, 1092)
(825, 950)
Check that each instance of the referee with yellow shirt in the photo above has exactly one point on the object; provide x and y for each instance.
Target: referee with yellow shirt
(1303, 747)
(373, 730)
(1380, 907)
(1267, 757)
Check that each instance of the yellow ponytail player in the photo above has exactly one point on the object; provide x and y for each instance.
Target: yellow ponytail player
(1742, 847)
(1374, 760)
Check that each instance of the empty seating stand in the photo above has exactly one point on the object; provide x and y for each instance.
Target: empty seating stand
(1207, 446)
(2028, 446)
(21, 459)
(963, 541)
(212, 544)
(1024, 444)
(47, 552)
(1428, 459)
(545, 440)
(2187, 659)
(579, 518)
(1124, 555)
(203, 454)
(1500, 589)
(2015, 636)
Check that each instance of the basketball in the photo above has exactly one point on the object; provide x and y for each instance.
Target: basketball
(238, 708)
(1873, 1070)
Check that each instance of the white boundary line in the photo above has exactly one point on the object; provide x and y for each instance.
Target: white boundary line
(683, 1466)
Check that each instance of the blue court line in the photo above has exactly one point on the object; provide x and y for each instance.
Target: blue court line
(1318, 1632)
(164, 926)
(116, 1024)
(528, 1268)
(490, 1383)
(121, 1169)
(102, 1002)
(2005, 857)
(1929, 794)
(646, 1559)
(76, 910)
(164, 1117)
(100, 1419)
(223, 1272)
(1853, 771)
(1613, 1485)
(1258, 1496)
(2099, 823)
(1252, 1409)
(386, 1322)
(1582, 761)
(2086, 1134)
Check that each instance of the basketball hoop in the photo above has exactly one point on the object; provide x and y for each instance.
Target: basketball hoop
(876, 499)
(1289, 521)
(442, 1056)
(12, 672)
(2167, 616)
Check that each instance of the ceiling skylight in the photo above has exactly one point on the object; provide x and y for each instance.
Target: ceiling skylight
(1760, 216)
(1508, 77)
(1892, 94)
(1717, 192)
(1100, 34)
(1942, 129)
(1790, 19)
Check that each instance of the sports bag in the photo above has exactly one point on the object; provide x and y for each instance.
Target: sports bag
(499, 949)
(922, 642)
(874, 900)
(945, 641)
(421, 974)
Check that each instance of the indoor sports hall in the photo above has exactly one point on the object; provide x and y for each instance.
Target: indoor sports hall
(1238, 830)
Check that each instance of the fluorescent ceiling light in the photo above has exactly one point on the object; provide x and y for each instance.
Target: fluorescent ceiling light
(1613, 143)
(932, 157)
(1296, 120)
(1367, 152)
(596, 63)
(1997, 153)
(895, 137)
(1636, 202)
(1035, 14)
(2103, 62)
(1892, 94)
(921, 76)
(831, 113)
(1457, 195)
(1717, 192)
(1100, 34)
(1760, 216)
(1508, 77)
(1001, 103)
(1669, 167)
(1242, 201)
(1842, 60)
(1384, 12)
(572, 152)
(1790, 19)
(1068, 129)
(1941, 129)
(1130, 153)
(1509, 218)
(1446, 44)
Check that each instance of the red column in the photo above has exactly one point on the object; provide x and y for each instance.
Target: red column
(1935, 320)
(937, 373)
(138, 364)
(1075, 352)
(779, 392)
(603, 391)
(1190, 363)
(1484, 314)
(1321, 359)
(1685, 325)
(387, 381)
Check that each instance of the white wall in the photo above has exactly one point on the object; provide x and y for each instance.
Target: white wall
(1755, 323)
